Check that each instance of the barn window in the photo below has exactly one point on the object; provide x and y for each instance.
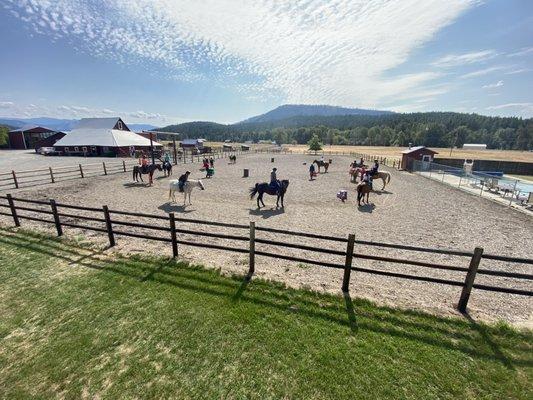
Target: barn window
(84, 149)
(426, 158)
(76, 149)
(119, 125)
(66, 150)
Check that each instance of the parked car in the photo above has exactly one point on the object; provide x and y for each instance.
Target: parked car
(48, 151)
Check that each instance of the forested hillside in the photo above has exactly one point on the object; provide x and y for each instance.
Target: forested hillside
(437, 129)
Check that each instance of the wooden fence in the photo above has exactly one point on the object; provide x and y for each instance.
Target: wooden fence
(112, 223)
(41, 176)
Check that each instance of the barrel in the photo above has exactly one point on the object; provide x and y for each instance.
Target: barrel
(246, 173)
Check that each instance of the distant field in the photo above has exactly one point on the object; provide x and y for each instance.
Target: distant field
(505, 155)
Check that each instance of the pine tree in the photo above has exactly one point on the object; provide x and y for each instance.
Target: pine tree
(314, 144)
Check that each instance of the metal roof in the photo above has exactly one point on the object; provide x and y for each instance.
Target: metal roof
(103, 137)
(98, 123)
(416, 148)
(29, 127)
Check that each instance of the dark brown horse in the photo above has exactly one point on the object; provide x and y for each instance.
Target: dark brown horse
(320, 163)
(138, 172)
(362, 189)
(262, 188)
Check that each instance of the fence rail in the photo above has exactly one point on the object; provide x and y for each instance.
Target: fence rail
(107, 221)
(48, 175)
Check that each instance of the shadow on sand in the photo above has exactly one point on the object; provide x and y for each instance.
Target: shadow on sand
(136, 184)
(267, 213)
(366, 208)
(175, 208)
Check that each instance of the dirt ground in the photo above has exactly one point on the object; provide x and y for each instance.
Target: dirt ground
(395, 152)
(412, 211)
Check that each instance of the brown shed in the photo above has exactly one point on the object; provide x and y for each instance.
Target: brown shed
(420, 153)
(27, 136)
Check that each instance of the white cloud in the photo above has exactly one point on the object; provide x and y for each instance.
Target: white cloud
(522, 109)
(6, 104)
(517, 71)
(454, 60)
(493, 85)
(481, 72)
(524, 51)
(309, 51)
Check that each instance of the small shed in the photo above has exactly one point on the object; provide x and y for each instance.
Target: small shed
(420, 153)
(245, 147)
(192, 143)
(474, 146)
(227, 147)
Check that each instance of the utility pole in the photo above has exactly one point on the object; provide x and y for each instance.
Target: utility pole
(152, 148)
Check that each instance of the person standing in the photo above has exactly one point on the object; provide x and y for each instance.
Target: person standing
(311, 171)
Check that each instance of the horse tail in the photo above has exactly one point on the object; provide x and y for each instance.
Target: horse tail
(388, 177)
(254, 190)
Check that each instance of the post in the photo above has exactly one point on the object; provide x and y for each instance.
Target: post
(51, 174)
(109, 226)
(15, 179)
(13, 210)
(175, 152)
(251, 269)
(469, 280)
(246, 173)
(124, 165)
(59, 228)
(105, 169)
(81, 170)
(348, 263)
(173, 234)
(512, 194)
(152, 148)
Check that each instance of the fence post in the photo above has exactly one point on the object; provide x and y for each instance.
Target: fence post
(51, 174)
(105, 169)
(251, 269)
(81, 170)
(514, 191)
(109, 226)
(173, 234)
(15, 179)
(348, 263)
(56, 217)
(13, 210)
(124, 165)
(469, 280)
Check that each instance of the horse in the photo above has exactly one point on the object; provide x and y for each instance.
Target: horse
(384, 176)
(233, 159)
(187, 189)
(262, 188)
(354, 172)
(167, 168)
(150, 169)
(320, 163)
(362, 189)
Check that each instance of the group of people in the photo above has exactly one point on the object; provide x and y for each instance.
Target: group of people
(208, 163)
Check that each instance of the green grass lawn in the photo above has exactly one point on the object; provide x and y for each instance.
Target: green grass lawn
(75, 323)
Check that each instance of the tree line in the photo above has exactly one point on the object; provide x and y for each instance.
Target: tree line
(436, 129)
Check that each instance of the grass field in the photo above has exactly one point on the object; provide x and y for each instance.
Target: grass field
(505, 155)
(76, 323)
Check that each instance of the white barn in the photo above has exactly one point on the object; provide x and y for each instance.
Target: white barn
(103, 137)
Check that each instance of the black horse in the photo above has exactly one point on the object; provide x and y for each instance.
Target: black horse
(167, 168)
(233, 159)
(264, 187)
(138, 172)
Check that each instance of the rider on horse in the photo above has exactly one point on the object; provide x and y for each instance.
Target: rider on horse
(143, 162)
(274, 183)
(182, 180)
(374, 169)
(367, 178)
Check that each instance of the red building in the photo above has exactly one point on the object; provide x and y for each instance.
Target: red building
(27, 137)
(420, 153)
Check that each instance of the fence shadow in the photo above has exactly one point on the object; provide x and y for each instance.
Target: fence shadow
(467, 336)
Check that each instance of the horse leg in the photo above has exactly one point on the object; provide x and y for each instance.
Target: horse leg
(258, 198)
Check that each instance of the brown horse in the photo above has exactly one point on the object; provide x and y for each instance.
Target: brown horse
(362, 189)
(320, 163)
(138, 172)
(384, 176)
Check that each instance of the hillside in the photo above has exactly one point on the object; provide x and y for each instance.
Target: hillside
(437, 129)
(298, 110)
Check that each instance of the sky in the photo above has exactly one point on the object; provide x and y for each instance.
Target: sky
(171, 61)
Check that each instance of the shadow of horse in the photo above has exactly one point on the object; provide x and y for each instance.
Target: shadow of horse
(367, 208)
(264, 213)
(169, 207)
(135, 185)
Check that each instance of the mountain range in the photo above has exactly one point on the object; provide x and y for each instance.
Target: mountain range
(299, 110)
(59, 124)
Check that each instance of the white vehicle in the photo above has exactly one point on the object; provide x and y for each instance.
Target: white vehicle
(48, 151)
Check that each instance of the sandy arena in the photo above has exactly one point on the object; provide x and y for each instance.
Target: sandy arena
(411, 211)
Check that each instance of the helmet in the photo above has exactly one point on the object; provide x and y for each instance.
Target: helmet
(187, 172)
(274, 169)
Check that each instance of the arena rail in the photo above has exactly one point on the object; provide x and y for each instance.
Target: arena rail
(48, 175)
(108, 221)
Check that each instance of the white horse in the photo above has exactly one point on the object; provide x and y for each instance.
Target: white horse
(187, 189)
